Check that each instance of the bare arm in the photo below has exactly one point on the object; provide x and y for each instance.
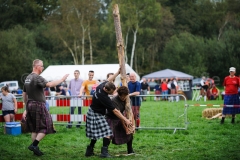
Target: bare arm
(56, 82)
(111, 78)
(25, 98)
(134, 93)
(15, 105)
(24, 115)
(121, 117)
(81, 90)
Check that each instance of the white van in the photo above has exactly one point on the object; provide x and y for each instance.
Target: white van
(12, 85)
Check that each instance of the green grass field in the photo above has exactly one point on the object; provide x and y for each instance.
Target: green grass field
(203, 139)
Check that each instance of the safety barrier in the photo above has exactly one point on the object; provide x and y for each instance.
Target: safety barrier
(171, 114)
(164, 115)
(214, 105)
(59, 115)
(67, 109)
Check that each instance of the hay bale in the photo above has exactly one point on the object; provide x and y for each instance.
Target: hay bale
(210, 112)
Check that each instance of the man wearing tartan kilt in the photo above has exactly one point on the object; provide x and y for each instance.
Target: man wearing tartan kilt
(96, 123)
(38, 119)
(231, 84)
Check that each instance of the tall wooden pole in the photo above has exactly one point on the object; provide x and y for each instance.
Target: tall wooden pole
(120, 45)
(121, 58)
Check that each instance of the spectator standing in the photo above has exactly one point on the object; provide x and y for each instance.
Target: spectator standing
(75, 86)
(87, 85)
(135, 88)
(173, 88)
(204, 88)
(145, 88)
(231, 84)
(164, 88)
(38, 119)
(9, 105)
(157, 89)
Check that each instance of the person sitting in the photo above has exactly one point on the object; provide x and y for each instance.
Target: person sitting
(214, 92)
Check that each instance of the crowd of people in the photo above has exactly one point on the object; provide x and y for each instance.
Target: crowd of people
(164, 87)
(208, 90)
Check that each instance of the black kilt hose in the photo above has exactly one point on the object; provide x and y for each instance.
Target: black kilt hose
(119, 133)
(38, 119)
(96, 125)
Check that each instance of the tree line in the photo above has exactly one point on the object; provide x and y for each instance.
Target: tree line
(198, 37)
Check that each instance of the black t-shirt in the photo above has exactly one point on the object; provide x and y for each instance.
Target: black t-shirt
(144, 86)
(119, 105)
(34, 86)
(101, 101)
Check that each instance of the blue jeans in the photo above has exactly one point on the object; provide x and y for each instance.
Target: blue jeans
(165, 93)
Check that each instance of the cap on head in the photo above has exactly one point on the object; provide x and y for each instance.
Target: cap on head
(232, 69)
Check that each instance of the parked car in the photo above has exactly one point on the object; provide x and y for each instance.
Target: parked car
(196, 82)
(12, 85)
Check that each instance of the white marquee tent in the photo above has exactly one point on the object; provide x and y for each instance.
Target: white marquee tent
(54, 72)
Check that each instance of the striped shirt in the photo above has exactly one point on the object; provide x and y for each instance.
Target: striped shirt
(7, 102)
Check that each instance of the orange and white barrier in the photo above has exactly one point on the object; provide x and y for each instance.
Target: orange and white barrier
(214, 105)
(68, 102)
(57, 102)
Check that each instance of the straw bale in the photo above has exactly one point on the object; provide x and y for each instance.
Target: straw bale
(210, 112)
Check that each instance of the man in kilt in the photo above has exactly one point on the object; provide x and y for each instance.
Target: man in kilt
(38, 119)
(119, 133)
(96, 123)
(231, 84)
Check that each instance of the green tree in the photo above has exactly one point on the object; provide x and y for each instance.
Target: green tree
(18, 50)
(28, 13)
(186, 52)
(72, 23)
(134, 16)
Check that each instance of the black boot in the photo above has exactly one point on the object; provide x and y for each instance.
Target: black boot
(129, 147)
(130, 151)
(233, 120)
(89, 151)
(222, 121)
(104, 152)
